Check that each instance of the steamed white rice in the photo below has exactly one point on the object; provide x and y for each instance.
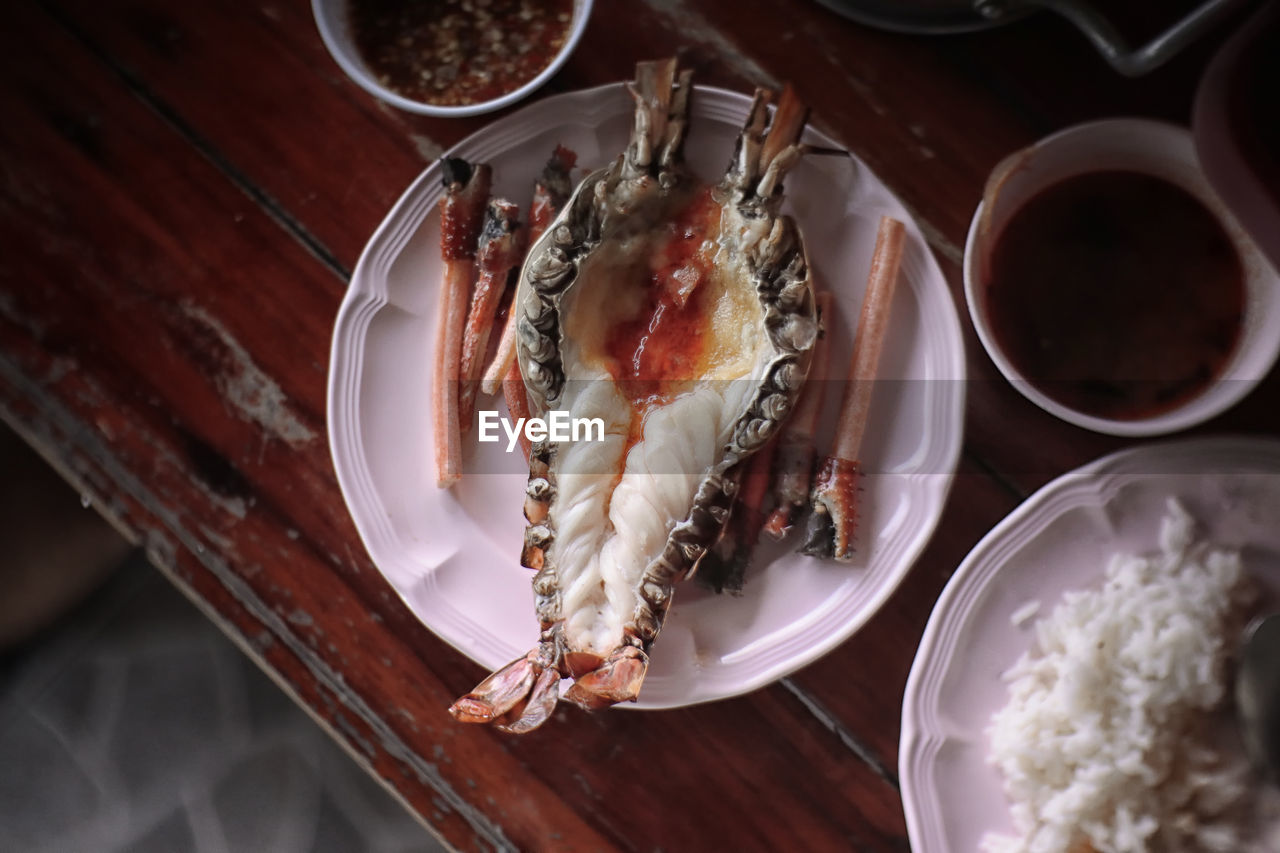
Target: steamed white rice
(1108, 740)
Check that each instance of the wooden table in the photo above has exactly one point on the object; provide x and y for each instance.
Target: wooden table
(185, 190)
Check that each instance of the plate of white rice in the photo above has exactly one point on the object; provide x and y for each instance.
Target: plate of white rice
(1072, 689)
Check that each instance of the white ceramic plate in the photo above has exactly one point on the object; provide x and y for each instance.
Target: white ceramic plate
(454, 555)
(1059, 539)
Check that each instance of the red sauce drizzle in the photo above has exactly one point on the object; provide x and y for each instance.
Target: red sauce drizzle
(664, 346)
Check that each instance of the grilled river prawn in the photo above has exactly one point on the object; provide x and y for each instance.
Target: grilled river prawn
(683, 317)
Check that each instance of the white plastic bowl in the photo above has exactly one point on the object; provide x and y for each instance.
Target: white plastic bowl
(331, 19)
(1163, 151)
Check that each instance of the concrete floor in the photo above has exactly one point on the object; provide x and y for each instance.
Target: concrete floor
(129, 723)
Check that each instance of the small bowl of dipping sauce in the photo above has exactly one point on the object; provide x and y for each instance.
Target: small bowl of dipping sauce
(450, 57)
(1113, 288)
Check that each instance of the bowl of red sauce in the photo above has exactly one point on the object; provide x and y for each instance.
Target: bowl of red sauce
(1111, 285)
(450, 57)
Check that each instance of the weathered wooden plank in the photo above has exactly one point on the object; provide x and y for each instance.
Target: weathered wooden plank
(324, 157)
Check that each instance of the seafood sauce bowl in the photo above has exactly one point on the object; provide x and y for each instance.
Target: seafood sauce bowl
(1113, 152)
(334, 19)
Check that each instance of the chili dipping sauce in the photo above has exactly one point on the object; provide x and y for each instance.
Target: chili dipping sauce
(1115, 293)
(458, 52)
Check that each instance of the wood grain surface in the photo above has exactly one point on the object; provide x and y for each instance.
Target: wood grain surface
(184, 188)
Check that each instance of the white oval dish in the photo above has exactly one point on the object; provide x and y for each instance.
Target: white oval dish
(1059, 539)
(453, 556)
(1161, 150)
(335, 32)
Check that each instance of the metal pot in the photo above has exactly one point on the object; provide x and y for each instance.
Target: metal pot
(956, 16)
